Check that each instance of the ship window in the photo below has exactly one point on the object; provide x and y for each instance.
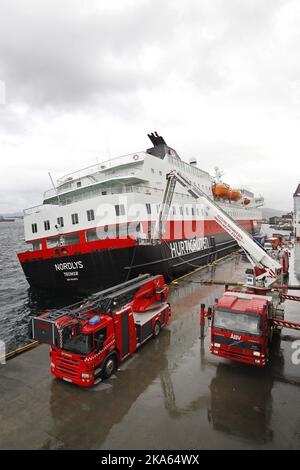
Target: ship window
(160, 172)
(52, 242)
(104, 193)
(71, 239)
(36, 245)
(78, 184)
(75, 219)
(187, 211)
(34, 228)
(174, 210)
(60, 221)
(122, 231)
(148, 207)
(90, 215)
(92, 235)
(101, 233)
(47, 225)
(152, 170)
(193, 211)
(120, 209)
(134, 229)
(181, 210)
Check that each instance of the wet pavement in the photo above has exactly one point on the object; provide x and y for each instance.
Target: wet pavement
(172, 394)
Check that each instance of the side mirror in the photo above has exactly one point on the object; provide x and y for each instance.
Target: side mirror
(100, 342)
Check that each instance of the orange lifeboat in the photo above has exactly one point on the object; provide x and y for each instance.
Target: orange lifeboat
(220, 190)
(234, 195)
(246, 201)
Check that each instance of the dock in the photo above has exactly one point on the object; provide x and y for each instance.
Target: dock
(172, 394)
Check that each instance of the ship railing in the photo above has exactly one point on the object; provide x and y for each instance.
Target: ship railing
(57, 192)
(34, 209)
(186, 167)
(146, 190)
(66, 182)
(101, 166)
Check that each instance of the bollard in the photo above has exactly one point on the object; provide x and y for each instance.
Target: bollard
(202, 320)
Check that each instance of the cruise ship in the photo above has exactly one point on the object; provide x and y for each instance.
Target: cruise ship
(86, 234)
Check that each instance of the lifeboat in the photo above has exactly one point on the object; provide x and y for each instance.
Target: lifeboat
(234, 195)
(246, 201)
(220, 190)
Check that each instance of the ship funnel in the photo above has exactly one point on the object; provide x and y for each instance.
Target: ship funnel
(156, 139)
(160, 149)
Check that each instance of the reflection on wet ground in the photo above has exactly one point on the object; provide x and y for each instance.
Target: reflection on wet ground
(172, 394)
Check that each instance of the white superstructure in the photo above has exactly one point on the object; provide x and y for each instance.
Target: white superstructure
(124, 189)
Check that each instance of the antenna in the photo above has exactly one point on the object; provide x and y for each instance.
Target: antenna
(54, 187)
(218, 174)
(107, 144)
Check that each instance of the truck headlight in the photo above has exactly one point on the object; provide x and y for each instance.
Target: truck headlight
(52, 364)
(217, 345)
(85, 376)
(256, 353)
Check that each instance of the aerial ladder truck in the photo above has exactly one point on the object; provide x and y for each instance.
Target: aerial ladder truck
(90, 339)
(243, 320)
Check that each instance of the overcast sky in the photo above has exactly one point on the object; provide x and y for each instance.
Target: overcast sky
(219, 79)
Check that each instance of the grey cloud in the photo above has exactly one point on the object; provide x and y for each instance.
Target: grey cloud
(57, 56)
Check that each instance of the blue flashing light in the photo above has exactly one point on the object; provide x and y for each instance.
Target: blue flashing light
(94, 320)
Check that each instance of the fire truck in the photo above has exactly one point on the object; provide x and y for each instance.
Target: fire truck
(243, 320)
(88, 341)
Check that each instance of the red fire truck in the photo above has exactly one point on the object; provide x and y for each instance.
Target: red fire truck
(242, 326)
(89, 341)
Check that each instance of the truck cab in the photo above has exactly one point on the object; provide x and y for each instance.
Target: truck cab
(80, 354)
(241, 327)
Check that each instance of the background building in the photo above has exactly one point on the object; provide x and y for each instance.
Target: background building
(297, 212)
(274, 220)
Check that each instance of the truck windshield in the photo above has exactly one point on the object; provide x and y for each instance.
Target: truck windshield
(79, 344)
(234, 321)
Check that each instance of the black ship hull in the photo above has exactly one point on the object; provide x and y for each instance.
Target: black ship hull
(88, 272)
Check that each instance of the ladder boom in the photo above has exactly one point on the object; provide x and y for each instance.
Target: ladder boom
(257, 254)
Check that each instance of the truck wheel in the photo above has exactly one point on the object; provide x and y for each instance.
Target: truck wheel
(156, 329)
(109, 367)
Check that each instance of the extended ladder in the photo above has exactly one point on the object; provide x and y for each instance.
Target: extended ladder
(258, 256)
